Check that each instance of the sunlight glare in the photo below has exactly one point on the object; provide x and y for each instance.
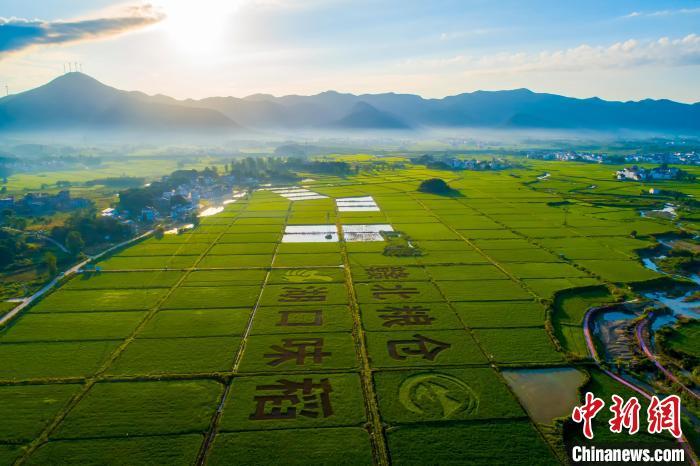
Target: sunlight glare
(198, 26)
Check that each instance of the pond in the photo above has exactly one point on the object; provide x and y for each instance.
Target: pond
(678, 305)
(211, 211)
(548, 393)
(668, 212)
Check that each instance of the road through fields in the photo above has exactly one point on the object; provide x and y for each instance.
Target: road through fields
(60, 277)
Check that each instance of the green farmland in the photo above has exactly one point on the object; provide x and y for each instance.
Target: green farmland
(227, 345)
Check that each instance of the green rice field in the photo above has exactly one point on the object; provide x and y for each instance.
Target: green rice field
(228, 345)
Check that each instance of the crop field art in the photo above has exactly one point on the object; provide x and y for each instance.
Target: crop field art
(365, 323)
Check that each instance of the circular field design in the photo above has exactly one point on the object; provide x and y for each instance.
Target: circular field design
(438, 395)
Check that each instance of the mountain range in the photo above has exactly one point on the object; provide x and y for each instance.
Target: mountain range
(78, 101)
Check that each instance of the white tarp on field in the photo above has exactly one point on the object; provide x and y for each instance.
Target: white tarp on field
(329, 233)
(310, 238)
(330, 228)
(296, 193)
(357, 204)
(361, 233)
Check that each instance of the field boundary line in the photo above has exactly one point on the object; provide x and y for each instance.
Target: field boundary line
(491, 260)
(90, 381)
(57, 281)
(380, 451)
(493, 365)
(213, 430)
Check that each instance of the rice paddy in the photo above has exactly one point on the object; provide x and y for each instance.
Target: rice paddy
(278, 328)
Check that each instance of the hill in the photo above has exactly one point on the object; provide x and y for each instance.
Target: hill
(365, 116)
(76, 100)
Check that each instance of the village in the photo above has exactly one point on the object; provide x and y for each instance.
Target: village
(175, 198)
(479, 165)
(676, 158)
(662, 172)
(40, 203)
(443, 162)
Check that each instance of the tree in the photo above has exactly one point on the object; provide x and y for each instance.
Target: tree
(18, 223)
(7, 255)
(51, 263)
(74, 242)
(135, 199)
(178, 200)
(159, 232)
(435, 186)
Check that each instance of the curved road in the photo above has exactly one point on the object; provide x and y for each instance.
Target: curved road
(596, 358)
(41, 236)
(594, 354)
(639, 331)
(71, 271)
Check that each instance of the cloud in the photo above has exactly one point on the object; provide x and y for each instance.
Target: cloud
(659, 13)
(447, 36)
(19, 34)
(287, 5)
(621, 55)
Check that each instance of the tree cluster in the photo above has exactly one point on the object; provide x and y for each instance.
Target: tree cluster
(86, 228)
(435, 186)
(13, 247)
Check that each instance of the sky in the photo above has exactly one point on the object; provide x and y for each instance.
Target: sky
(616, 50)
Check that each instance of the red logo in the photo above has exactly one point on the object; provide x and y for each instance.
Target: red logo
(662, 415)
(587, 412)
(665, 415)
(625, 415)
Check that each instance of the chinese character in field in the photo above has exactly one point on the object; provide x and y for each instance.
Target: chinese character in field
(297, 350)
(303, 294)
(305, 276)
(587, 412)
(386, 272)
(300, 318)
(422, 346)
(384, 292)
(313, 399)
(405, 315)
(624, 415)
(665, 415)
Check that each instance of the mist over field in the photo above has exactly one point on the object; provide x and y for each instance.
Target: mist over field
(358, 233)
(75, 106)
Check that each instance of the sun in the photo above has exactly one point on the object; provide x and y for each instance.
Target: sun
(198, 27)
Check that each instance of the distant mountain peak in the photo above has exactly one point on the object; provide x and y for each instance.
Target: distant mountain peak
(363, 106)
(366, 116)
(75, 78)
(259, 97)
(76, 100)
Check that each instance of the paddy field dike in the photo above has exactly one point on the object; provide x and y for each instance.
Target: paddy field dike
(280, 332)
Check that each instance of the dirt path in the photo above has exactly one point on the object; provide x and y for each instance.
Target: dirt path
(90, 381)
(213, 430)
(380, 450)
(514, 279)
